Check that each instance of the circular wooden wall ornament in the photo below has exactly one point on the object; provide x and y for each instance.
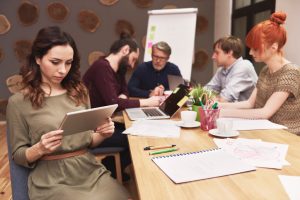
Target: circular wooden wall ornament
(143, 3)
(95, 55)
(4, 24)
(28, 13)
(1, 54)
(22, 49)
(124, 26)
(108, 2)
(143, 41)
(169, 6)
(201, 59)
(57, 11)
(201, 24)
(14, 83)
(88, 20)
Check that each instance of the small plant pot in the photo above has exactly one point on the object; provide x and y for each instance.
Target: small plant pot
(196, 109)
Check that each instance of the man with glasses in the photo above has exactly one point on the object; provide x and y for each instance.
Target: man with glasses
(151, 78)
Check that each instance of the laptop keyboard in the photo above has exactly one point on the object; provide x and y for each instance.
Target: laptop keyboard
(152, 112)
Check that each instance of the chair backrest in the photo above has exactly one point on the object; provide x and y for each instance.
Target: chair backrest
(18, 176)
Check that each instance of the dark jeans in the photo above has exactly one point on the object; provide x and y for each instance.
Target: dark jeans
(117, 140)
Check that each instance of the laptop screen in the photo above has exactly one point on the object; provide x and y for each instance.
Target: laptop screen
(174, 81)
(175, 100)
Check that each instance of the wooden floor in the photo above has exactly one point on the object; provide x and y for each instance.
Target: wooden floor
(5, 188)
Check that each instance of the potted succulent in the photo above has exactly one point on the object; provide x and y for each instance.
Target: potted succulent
(200, 96)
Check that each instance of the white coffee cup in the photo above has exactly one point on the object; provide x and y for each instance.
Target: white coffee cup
(224, 126)
(188, 116)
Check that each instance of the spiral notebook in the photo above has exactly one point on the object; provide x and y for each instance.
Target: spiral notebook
(200, 165)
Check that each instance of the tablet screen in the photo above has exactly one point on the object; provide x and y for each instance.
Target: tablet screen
(84, 120)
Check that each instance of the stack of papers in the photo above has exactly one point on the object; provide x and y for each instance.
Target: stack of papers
(255, 152)
(291, 185)
(154, 128)
(255, 124)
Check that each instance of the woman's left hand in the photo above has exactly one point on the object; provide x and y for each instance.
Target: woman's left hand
(106, 130)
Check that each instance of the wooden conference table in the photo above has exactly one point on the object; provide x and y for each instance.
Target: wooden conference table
(263, 183)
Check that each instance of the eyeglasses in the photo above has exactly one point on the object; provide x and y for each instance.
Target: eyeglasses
(159, 58)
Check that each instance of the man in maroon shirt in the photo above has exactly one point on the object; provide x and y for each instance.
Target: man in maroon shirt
(106, 83)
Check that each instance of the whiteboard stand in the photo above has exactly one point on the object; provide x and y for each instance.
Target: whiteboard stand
(177, 27)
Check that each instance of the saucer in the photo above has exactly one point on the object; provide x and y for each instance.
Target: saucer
(193, 124)
(216, 133)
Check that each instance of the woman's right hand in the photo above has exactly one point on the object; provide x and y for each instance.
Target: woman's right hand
(151, 101)
(50, 142)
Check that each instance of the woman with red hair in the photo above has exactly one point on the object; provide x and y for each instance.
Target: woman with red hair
(277, 93)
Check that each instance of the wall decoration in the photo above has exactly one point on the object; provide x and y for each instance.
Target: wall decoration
(4, 24)
(88, 20)
(169, 6)
(1, 54)
(14, 83)
(95, 55)
(143, 3)
(200, 59)
(22, 49)
(28, 13)
(143, 41)
(124, 26)
(57, 11)
(201, 24)
(108, 2)
(3, 105)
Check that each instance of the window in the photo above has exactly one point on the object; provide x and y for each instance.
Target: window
(247, 13)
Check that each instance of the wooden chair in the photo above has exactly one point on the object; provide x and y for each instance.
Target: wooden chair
(110, 151)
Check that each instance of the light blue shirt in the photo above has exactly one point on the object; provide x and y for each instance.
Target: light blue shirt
(235, 83)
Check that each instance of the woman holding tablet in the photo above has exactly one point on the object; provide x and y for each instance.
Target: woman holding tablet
(277, 93)
(61, 166)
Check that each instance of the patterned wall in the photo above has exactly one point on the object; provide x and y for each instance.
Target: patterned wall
(94, 24)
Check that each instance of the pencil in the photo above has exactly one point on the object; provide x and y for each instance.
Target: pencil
(159, 147)
(163, 151)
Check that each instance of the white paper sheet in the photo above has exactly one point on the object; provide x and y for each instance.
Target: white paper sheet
(200, 165)
(249, 124)
(154, 128)
(255, 152)
(291, 186)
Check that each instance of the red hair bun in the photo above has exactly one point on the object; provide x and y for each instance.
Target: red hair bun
(278, 17)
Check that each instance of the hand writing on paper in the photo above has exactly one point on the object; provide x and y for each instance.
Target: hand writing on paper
(158, 91)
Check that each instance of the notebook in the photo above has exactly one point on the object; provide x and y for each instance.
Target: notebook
(84, 120)
(199, 165)
(166, 110)
(174, 81)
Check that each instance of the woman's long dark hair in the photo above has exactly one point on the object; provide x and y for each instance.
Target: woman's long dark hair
(46, 39)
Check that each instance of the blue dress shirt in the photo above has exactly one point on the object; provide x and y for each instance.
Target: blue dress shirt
(236, 82)
(145, 78)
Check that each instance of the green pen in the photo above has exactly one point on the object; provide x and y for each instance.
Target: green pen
(163, 151)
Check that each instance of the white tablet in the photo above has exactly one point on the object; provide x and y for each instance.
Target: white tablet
(84, 120)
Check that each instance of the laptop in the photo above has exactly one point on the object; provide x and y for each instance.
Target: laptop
(174, 81)
(166, 110)
(84, 120)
